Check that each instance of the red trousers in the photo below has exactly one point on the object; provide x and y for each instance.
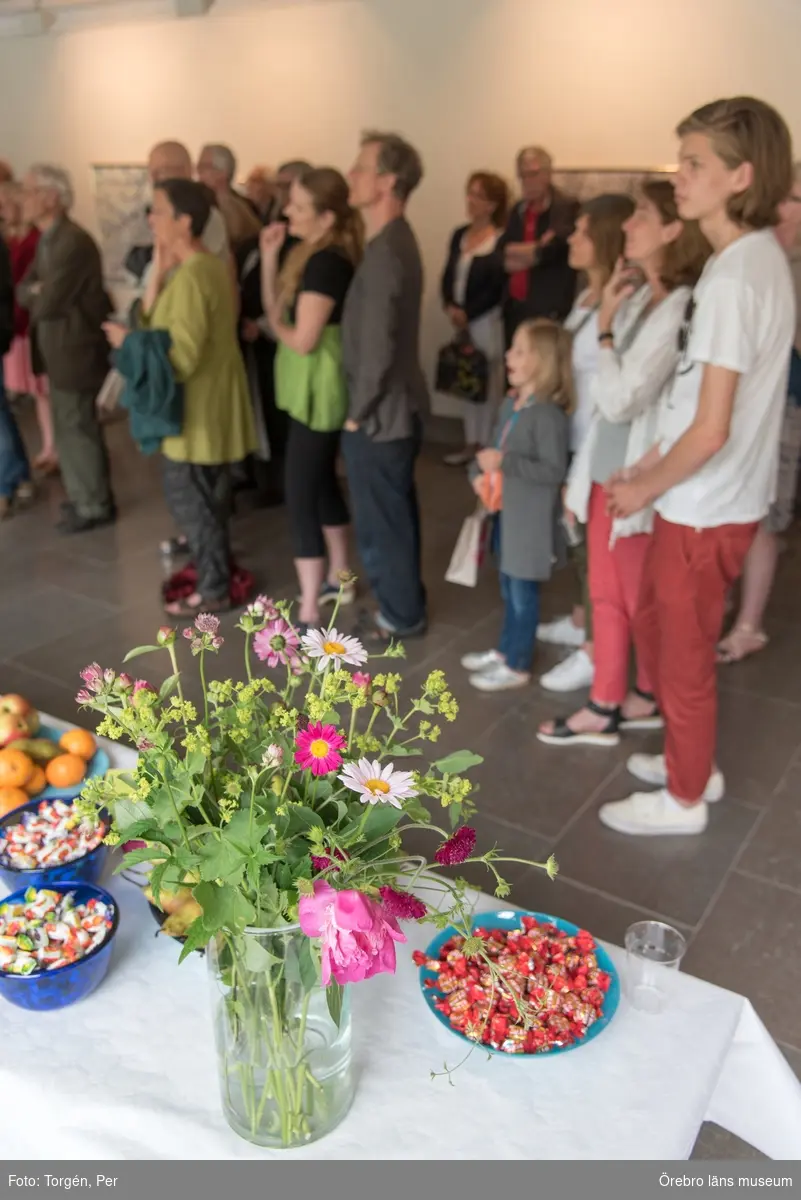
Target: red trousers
(687, 575)
(615, 583)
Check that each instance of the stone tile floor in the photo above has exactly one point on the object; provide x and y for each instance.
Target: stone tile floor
(735, 892)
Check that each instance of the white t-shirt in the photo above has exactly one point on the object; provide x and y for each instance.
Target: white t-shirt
(583, 323)
(743, 320)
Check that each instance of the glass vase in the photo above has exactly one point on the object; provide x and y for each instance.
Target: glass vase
(283, 1040)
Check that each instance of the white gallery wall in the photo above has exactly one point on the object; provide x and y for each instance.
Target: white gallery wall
(599, 82)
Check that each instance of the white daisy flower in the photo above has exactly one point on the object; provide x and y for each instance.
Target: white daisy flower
(335, 648)
(378, 784)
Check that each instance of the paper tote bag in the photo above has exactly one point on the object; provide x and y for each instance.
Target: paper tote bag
(468, 552)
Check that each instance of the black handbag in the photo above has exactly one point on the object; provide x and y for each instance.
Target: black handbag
(463, 370)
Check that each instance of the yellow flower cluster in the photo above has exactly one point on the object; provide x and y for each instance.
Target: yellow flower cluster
(198, 739)
(429, 732)
(317, 707)
(228, 806)
(109, 728)
(182, 710)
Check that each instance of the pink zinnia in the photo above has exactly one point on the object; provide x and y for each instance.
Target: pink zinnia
(357, 937)
(318, 748)
(277, 643)
(402, 905)
(458, 848)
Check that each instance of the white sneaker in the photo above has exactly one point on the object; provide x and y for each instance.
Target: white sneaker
(576, 672)
(651, 768)
(561, 632)
(483, 660)
(499, 679)
(459, 458)
(653, 814)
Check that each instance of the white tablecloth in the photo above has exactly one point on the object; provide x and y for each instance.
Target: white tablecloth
(131, 1073)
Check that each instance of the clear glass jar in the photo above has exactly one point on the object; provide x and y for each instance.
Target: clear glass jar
(283, 1040)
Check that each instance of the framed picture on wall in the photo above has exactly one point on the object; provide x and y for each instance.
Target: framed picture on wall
(121, 196)
(585, 182)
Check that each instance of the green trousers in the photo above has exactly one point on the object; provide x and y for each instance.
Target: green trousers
(81, 452)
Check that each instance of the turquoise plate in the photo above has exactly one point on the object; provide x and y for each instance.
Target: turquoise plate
(510, 919)
(98, 765)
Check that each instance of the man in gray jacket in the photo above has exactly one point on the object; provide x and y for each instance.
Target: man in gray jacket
(388, 390)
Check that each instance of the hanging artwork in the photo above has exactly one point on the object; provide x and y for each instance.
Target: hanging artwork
(585, 182)
(121, 197)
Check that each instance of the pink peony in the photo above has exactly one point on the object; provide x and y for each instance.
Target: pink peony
(318, 748)
(277, 643)
(357, 936)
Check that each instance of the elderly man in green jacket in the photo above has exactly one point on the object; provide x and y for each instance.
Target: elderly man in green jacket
(64, 293)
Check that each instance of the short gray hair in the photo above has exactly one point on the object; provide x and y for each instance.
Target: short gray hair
(396, 157)
(55, 179)
(223, 159)
(534, 152)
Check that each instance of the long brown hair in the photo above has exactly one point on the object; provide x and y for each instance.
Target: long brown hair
(605, 217)
(496, 191)
(554, 347)
(683, 259)
(329, 192)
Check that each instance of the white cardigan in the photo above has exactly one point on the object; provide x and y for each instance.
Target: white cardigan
(628, 387)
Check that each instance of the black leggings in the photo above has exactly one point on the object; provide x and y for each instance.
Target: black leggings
(313, 495)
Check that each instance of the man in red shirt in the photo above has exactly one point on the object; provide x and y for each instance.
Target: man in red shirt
(541, 284)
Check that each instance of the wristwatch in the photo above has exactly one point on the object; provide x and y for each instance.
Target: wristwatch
(606, 336)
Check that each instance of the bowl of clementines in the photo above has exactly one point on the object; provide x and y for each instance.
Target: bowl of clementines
(55, 763)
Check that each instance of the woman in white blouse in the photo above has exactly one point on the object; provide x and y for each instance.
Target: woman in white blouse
(472, 289)
(638, 335)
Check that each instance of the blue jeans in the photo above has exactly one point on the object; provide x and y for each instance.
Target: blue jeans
(14, 468)
(521, 600)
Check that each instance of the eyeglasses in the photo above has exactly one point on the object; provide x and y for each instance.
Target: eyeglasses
(686, 325)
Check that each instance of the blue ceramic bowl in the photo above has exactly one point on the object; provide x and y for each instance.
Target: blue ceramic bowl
(88, 869)
(510, 919)
(44, 991)
(98, 765)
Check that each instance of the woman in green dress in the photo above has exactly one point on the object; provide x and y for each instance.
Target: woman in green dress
(303, 301)
(189, 295)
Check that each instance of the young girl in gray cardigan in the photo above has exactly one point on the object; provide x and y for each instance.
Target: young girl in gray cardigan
(521, 478)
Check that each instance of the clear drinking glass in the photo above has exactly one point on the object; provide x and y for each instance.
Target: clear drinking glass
(653, 955)
(283, 1040)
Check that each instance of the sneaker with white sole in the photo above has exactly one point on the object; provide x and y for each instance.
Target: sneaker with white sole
(499, 679)
(652, 768)
(459, 458)
(576, 672)
(561, 632)
(329, 594)
(482, 660)
(654, 814)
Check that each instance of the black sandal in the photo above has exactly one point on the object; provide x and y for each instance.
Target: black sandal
(563, 735)
(652, 722)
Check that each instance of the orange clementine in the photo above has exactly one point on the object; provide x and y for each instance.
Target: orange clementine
(37, 782)
(80, 742)
(15, 768)
(11, 798)
(65, 771)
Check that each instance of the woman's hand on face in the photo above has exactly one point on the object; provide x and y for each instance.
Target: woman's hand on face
(616, 292)
(115, 334)
(271, 239)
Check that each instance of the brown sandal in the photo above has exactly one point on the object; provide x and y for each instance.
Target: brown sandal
(193, 605)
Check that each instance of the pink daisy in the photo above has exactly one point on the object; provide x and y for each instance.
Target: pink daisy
(318, 748)
(277, 643)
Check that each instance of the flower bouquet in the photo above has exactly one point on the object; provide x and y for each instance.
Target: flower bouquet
(281, 807)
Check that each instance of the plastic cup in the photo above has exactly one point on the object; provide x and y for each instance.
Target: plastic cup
(653, 955)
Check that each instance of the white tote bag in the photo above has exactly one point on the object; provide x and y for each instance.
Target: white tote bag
(467, 554)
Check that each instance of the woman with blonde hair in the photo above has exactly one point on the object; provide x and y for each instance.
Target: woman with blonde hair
(640, 316)
(304, 303)
(20, 376)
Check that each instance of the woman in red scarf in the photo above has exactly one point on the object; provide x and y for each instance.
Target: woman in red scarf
(18, 363)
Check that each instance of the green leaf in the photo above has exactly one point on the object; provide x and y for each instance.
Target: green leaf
(309, 974)
(332, 717)
(257, 957)
(195, 761)
(334, 996)
(154, 854)
(404, 751)
(224, 907)
(303, 818)
(458, 763)
(128, 813)
(424, 706)
(221, 860)
(140, 650)
(197, 936)
(168, 686)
